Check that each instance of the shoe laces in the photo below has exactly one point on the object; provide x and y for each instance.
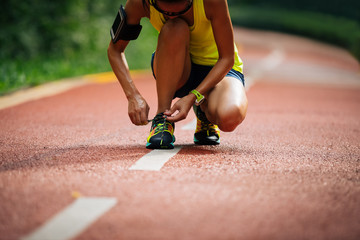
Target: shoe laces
(159, 123)
(206, 126)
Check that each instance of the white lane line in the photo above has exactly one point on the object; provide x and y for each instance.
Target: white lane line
(190, 126)
(268, 63)
(274, 59)
(74, 219)
(155, 160)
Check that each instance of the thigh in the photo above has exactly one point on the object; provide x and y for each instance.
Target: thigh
(171, 59)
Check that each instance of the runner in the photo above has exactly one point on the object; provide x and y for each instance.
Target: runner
(196, 60)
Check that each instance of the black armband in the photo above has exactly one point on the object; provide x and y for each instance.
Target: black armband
(121, 30)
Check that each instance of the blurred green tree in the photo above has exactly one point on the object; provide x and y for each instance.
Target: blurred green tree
(31, 28)
(343, 8)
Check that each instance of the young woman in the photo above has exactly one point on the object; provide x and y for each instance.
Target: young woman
(196, 61)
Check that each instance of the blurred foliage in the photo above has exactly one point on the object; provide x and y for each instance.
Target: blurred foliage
(336, 22)
(32, 28)
(43, 40)
(343, 8)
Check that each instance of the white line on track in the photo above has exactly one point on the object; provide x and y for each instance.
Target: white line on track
(155, 160)
(268, 63)
(190, 126)
(74, 219)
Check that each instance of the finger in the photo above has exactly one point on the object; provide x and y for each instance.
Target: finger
(135, 118)
(171, 111)
(132, 118)
(167, 112)
(144, 118)
(177, 117)
(139, 121)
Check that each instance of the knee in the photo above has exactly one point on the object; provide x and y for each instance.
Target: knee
(230, 118)
(174, 32)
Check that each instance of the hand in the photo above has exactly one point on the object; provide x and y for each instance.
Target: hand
(182, 107)
(138, 110)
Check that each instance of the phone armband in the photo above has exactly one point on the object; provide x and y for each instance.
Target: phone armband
(120, 30)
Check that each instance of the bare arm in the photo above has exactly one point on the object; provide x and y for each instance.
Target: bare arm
(138, 108)
(217, 12)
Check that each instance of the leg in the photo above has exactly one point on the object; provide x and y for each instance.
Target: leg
(226, 104)
(172, 64)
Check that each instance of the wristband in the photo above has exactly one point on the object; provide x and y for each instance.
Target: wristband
(199, 97)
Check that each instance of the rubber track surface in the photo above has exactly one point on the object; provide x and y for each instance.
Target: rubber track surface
(290, 171)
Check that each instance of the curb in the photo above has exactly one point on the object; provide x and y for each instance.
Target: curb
(60, 86)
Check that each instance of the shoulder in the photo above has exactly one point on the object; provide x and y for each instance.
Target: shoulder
(215, 7)
(135, 10)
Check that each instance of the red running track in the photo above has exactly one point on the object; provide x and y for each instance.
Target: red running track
(290, 171)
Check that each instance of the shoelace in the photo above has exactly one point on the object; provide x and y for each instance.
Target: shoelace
(160, 126)
(207, 127)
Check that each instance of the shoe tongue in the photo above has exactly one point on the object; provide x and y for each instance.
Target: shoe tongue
(159, 118)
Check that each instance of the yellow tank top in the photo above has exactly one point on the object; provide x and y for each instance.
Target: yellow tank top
(203, 49)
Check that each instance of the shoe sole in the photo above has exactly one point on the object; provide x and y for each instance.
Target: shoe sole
(157, 146)
(197, 142)
(162, 146)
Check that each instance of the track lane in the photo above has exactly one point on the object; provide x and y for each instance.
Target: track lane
(291, 160)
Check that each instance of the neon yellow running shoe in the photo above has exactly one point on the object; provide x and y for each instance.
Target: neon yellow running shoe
(161, 133)
(206, 133)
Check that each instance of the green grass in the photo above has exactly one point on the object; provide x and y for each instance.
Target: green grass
(18, 74)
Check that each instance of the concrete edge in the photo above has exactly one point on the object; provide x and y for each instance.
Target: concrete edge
(60, 86)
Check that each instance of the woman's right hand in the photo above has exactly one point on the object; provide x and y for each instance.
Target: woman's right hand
(138, 110)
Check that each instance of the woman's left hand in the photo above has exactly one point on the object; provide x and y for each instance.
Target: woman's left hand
(181, 108)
